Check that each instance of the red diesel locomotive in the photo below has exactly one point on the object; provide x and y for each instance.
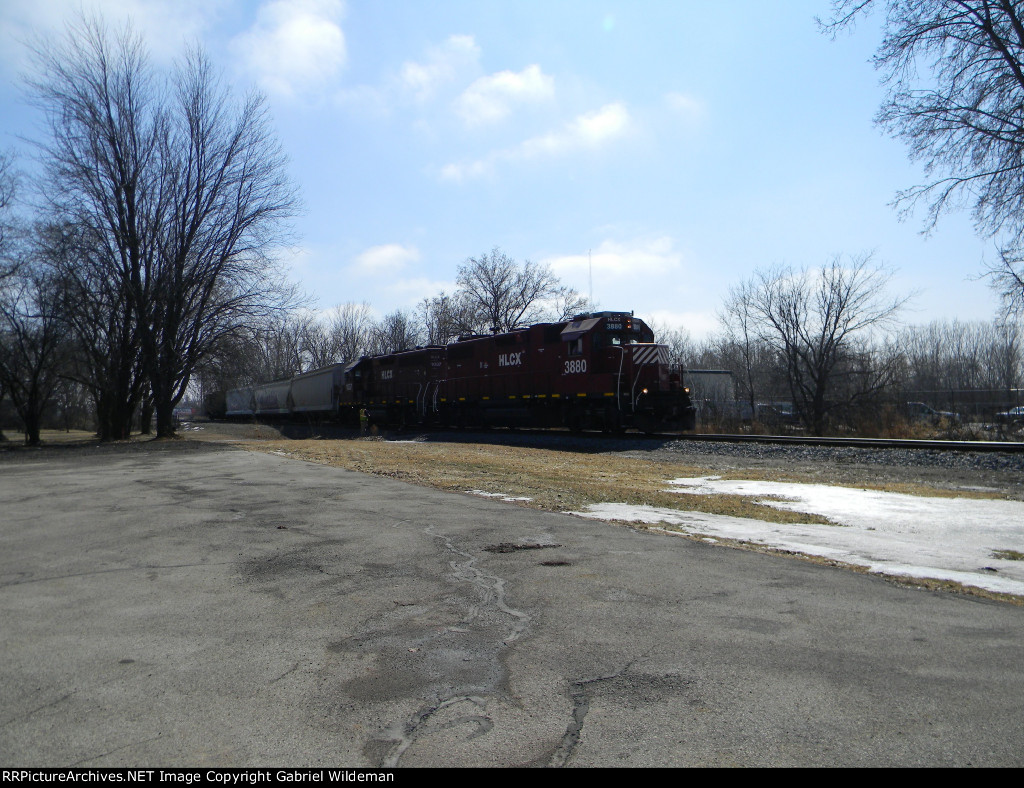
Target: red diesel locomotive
(598, 371)
(601, 370)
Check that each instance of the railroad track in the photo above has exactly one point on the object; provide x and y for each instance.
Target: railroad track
(1009, 447)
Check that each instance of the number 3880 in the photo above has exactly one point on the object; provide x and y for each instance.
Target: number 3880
(575, 365)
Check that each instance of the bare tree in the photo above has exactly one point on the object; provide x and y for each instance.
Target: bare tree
(1007, 356)
(1007, 278)
(179, 195)
(227, 196)
(813, 319)
(32, 339)
(274, 349)
(738, 319)
(446, 317)
(566, 303)
(955, 72)
(946, 356)
(394, 332)
(102, 160)
(317, 348)
(349, 327)
(504, 294)
(7, 264)
(98, 310)
(680, 345)
(7, 190)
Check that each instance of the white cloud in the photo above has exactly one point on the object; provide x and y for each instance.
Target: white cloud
(650, 275)
(295, 46)
(444, 64)
(617, 259)
(455, 60)
(493, 97)
(586, 131)
(386, 258)
(689, 108)
(463, 172)
(589, 131)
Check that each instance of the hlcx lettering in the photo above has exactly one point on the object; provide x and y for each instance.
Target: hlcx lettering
(511, 359)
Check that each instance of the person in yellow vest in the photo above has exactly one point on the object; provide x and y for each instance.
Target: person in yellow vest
(364, 420)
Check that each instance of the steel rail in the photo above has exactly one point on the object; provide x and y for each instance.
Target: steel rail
(1009, 447)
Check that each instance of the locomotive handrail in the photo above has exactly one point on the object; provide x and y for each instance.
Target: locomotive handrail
(618, 378)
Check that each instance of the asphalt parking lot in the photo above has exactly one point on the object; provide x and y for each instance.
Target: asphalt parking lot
(189, 604)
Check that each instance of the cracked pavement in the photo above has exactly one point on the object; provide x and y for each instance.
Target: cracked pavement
(194, 605)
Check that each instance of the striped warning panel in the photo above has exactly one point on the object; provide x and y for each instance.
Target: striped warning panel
(650, 354)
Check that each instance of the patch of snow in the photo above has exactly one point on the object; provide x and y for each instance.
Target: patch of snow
(502, 496)
(892, 533)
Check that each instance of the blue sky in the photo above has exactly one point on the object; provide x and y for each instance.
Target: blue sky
(677, 145)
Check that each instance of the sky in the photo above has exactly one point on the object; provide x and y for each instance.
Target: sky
(653, 153)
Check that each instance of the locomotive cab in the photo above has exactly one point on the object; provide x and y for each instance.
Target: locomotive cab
(629, 369)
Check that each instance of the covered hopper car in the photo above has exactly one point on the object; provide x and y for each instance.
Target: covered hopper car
(601, 370)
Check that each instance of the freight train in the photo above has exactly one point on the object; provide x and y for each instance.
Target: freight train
(601, 370)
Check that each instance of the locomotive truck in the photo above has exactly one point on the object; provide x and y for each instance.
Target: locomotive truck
(601, 370)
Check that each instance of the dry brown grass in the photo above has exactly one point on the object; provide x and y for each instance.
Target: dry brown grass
(553, 480)
(52, 437)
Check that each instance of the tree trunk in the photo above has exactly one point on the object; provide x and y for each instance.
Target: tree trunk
(164, 416)
(114, 417)
(146, 417)
(32, 432)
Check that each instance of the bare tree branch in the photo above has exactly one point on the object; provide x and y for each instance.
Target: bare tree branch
(955, 73)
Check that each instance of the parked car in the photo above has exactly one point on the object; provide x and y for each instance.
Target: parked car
(1013, 418)
(918, 411)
